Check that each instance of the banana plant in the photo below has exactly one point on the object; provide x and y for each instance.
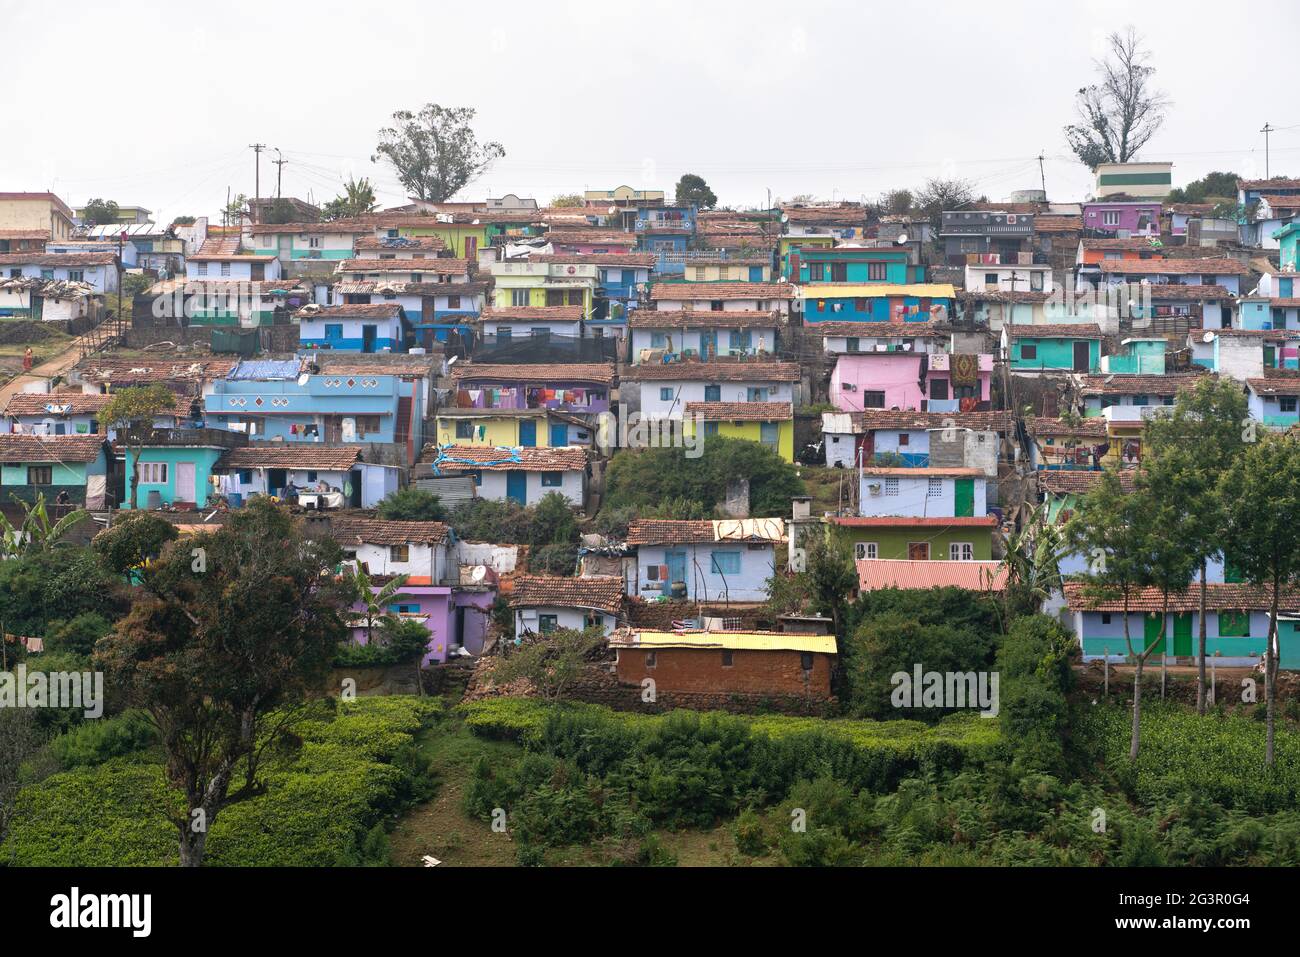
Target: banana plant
(36, 533)
(376, 611)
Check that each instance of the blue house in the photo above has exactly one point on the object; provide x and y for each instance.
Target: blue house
(377, 327)
(707, 561)
(665, 229)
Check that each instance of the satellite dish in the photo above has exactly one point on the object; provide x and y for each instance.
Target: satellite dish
(478, 574)
(303, 379)
(613, 210)
(1207, 337)
(902, 238)
(785, 217)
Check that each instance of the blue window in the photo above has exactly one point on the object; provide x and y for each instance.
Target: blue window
(740, 339)
(245, 476)
(658, 340)
(725, 563)
(311, 476)
(404, 609)
(333, 330)
(713, 393)
(710, 428)
(666, 393)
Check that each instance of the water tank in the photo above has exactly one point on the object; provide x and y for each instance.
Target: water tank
(1027, 196)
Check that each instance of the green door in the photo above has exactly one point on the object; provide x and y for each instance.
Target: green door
(964, 498)
(1288, 645)
(1183, 635)
(1152, 629)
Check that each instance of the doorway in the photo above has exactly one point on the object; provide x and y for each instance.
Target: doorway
(1082, 356)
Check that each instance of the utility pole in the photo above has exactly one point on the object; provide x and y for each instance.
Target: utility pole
(279, 168)
(1266, 130)
(1042, 176)
(257, 171)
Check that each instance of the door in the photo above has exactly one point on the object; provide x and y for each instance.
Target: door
(527, 433)
(964, 498)
(559, 435)
(471, 247)
(368, 335)
(1082, 354)
(1183, 635)
(1152, 630)
(708, 346)
(276, 480)
(185, 482)
(676, 562)
(768, 433)
(517, 486)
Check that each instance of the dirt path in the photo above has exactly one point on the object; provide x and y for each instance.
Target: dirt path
(56, 365)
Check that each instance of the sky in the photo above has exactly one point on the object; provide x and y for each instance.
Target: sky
(839, 100)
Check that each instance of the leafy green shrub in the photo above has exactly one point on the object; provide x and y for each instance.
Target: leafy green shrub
(412, 504)
(750, 833)
(559, 559)
(77, 635)
(94, 742)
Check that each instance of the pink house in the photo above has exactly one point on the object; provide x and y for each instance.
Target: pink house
(916, 382)
(454, 616)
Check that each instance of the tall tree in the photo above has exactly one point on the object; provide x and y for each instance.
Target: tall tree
(1261, 492)
(100, 212)
(567, 201)
(224, 652)
(434, 152)
(131, 412)
(939, 194)
(692, 189)
(357, 199)
(1120, 113)
(1217, 186)
(1115, 532)
(1189, 450)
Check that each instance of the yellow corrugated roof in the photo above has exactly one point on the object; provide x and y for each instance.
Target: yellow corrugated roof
(730, 641)
(841, 290)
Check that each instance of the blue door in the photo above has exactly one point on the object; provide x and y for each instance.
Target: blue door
(368, 335)
(527, 433)
(755, 273)
(559, 435)
(708, 344)
(769, 433)
(517, 486)
(880, 309)
(676, 562)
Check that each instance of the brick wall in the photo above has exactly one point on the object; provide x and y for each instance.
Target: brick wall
(701, 671)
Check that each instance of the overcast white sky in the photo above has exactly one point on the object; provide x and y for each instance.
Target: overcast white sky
(155, 104)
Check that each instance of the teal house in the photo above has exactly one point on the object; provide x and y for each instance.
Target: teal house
(176, 465)
(1053, 347)
(857, 264)
(1288, 243)
(34, 465)
(1145, 356)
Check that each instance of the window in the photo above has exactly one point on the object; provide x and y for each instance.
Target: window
(1234, 624)
(40, 474)
(934, 488)
(873, 400)
(1140, 400)
(245, 476)
(518, 297)
(1029, 350)
(658, 340)
(313, 242)
(399, 553)
(453, 302)
(201, 269)
(728, 659)
(153, 473)
(806, 660)
(1286, 403)
(417, 277)
(877, 271)
(76, 275)
(464, 430)
(962, 552)
(367, 424)
(865, 551)
(713, 393)
(724, 563)
(1105, 618)
(991, 279)
(665, 393)
(891, 486)
(710, 429)
(311, 476)
(225, 269)
(552, 479)
(715, 305)
(1036, 281)
(756, 393)
(852, 343)
(547, 623)
(839, 272)
(740, 339)
(904, 438)
(649, 659)
(1110, 218)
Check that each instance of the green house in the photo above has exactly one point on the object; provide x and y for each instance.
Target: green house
(969, 538)
(1053, 347)
(176, 464)
(34, 465)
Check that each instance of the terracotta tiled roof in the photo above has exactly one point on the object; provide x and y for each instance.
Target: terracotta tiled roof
(552, 313)
(292, 455)
(1277, 182)
(699, 291)
(644, 260)
(50, 448)
(702, 319)
(464, 458)
(399, 288)
(226, 249)
(1276, 201)
(1275, 386)
(1218, 596)
(588, 237)
(928, 521)
(601, 372)
(657, 531)
(846, 215)
(878, 330)
(1174, 267)
(1137, 384)
(740, 411)
(1004, 295)
(435, 265)
(24, 234)
(34, 403)
(126, 371)
(719, 370)
(57, 260)
(1093, 425)
(1279, 302)
(1182, 292)
(603, 593)
(894, 573)
(873, 419)
(376, 531)
(1136, 244)
(374, 310)
(735, 240)
(383, 363)
(1080, 481)
(1057, 224)
(382, 244)
(1054, 330)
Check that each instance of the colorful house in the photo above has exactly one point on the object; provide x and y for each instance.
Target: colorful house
(1288, 244)
(969, 575)
(331, 476)
(542, 428)
(890, 264)
(667, 388)
(529, 282)
(906, 438)
(705, 561)
(1063, 488)
(294, 243)
(881, 302)
(49, 465)
(1269, 312)
(700, 334)
(1061, 444)
(1189, 272)
(622, 279)
(1053, 347)
(463, 234)
(501, 325)
(854, 337)
(911, 538)
(720, 266)
(1138, 355)
(923, 492)
(1111, 216)
(574, 387)
(543, 603)
(222, 258)
(176, 466)
(519, 474)
(1273, 400)
(769, 423)
(352, 328)
(934, 382)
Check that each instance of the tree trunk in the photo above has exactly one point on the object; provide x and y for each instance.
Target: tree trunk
(1137, 684)
(1200, 665)
(1270, 675)
(192, 846)
(134, 497)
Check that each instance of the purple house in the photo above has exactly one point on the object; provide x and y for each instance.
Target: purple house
(568, 387)
(454, 616)
(1137, 217)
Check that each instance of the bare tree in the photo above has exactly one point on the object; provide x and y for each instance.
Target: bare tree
(1120, 114)
(940, 194)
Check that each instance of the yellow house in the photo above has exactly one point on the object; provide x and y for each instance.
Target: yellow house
(31, 211)
(622, 196)
(771, 423)
(542, 284)
(526, 428)
(731, 269)
(462, 233)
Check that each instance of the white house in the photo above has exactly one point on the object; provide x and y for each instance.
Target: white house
(703, 333)
(542, 603)
(518, 474)
(97, 270)
(418, 549)
(377, 327)
(223, 259)
(705, 561)
(723, 296)
(506, 323)
(923, 492)
(337, 472)
(666, 388)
